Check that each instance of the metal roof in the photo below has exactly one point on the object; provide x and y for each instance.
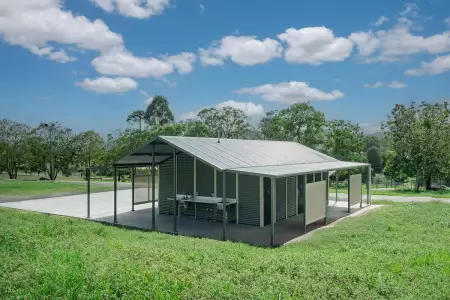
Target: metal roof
(271, 158)
(298, 169)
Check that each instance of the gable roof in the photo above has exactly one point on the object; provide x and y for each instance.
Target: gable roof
(271, 158)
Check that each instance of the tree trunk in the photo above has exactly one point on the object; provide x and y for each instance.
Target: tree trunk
(417, 182)
(428, 183)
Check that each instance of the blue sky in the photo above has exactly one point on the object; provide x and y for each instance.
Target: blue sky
(89, 63)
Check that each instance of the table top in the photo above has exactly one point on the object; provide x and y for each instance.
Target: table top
(203, 199)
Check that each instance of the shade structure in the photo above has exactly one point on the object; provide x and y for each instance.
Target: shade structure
(257, 157)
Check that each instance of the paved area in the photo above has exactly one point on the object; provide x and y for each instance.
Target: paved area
(286, 231)
(343, 197)
(102, 209)
(102, 204)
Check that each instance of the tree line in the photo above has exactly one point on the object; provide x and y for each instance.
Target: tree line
(413, 142)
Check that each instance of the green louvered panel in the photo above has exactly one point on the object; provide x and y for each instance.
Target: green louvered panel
(205, 179)
(165, 187)
(281, 199)
(185, 174)
(292, 208)
(249, 205)
(231, 185)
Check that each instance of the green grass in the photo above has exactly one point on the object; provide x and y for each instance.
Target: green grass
(36, 177)
(400, 192)
(37, 188)
(398, 251)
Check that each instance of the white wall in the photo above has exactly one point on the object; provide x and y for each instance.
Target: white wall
(355, 189)
(315, 201)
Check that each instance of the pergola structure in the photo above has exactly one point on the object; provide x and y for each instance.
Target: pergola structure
(253, 176)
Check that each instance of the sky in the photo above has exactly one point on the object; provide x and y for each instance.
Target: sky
(89, 63)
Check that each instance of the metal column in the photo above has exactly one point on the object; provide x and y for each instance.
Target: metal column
(132, 188)
(337, 184)
(153, 188)
(115, 194)
(224, 206)
(348, 190)
(175, 201)
(327, 195)
(369, 185)
(273, 216)
(88, 178)
(304, 202)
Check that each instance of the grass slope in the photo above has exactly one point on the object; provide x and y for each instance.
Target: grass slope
(398, 251)
(31, 188)
(400, 192)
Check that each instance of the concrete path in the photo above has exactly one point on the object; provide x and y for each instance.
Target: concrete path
(102, 204)
(343, 197)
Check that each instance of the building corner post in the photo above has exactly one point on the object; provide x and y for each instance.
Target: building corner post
(88, 178)
(153, 188)
(224, 205)
(115, 194)
(175, 200)
(369, 185)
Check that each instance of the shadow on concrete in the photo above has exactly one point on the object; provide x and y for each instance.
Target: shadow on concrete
(285, 230)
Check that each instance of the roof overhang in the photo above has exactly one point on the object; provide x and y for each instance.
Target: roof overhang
(298, 169)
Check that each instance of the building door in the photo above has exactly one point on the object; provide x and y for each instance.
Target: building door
(267, 198)
(301, 194)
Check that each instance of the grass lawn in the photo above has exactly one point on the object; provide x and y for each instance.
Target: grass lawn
(32, 188)
(398, 251)
(400, 192)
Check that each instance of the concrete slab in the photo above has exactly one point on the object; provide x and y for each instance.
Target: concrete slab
(102, 209)
(102, 204)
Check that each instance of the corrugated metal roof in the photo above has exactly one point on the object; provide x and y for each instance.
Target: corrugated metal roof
(233, 153)
(271, 158)
(298, 169)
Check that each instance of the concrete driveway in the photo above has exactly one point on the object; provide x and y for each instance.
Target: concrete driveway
(102, 204)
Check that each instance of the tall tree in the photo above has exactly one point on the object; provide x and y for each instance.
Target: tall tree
(58, 148)
(227, 121)
(300, 122)
(89, 146)
(420, 139)
(158, 112)
(344, 140)
(375, 159)
(371, 141)
(136, 116)
(13, 146)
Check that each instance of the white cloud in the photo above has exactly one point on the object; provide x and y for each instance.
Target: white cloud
(397, 85)
(439, 65)
(393, 84)
(108, 85)
(202, 9)
(143, 93)
(315, 45)
(243, 50)
(369, 128)
(374, 86)
(34, 24)
(447, 21)
(290, 92)
(124, 63)
(381, 20)
(140, 9)
(148, 100)
(249, 108)
(397, 43)
(183, 62)
(191, 115)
